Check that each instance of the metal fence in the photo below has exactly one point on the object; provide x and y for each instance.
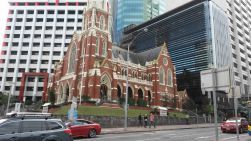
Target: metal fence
(116, 122)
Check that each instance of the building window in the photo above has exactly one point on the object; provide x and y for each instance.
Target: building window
(13, 52)
(26, 35)
(104, 48)
(47, 36)
(71, 12)
(170, 78)
(9, 78)
(102, 23)
(161, 76)
(24, 53)
(50, 12)
(70, 28)
(21, 70)
(10, 69)
(33, 61)
(30, 12)
(71, 62)
(12, 61)
(70, 20)
(49, 20)
(97, 45)
(59, 28)
(17, 27)
(22, 61)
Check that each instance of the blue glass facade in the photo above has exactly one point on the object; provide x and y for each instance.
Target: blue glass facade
(127, 12)
(197, 37)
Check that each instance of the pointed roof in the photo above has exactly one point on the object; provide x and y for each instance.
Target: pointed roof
(136, 58)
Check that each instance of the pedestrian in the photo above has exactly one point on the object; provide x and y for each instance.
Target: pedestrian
(145, 120)
(151, 120)
(140, 120)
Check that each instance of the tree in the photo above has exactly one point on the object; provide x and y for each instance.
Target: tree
(3, 99)
(189, 105)
(52, 97)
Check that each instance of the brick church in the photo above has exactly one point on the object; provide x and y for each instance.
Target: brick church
(94, 67)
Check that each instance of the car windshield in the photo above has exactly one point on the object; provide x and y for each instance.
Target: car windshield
(233, 120)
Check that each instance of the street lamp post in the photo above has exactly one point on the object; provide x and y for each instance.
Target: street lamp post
(127, 68)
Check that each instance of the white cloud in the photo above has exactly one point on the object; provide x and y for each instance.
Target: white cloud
(3, 18)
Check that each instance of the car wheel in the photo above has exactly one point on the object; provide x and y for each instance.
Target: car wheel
(223, 131)
(92, 133)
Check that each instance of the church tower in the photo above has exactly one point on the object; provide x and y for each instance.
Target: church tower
(96, 42)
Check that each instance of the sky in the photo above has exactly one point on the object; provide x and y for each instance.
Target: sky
(3, 15)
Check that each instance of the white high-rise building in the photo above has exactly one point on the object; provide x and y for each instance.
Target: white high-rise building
(239, 15)
(36, 37)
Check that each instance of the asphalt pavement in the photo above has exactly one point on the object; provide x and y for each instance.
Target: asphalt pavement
(188, 134)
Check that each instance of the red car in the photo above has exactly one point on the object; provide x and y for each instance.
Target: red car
(230, 125)
(84, 128)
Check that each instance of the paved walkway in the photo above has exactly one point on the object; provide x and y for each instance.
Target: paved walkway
(158, 128)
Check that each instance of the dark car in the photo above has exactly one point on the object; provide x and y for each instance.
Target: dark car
(230, 125)
(84, 128)
(33, 129)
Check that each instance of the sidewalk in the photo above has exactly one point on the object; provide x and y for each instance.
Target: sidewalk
(158, 128)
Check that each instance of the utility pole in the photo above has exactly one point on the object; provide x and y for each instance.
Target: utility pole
(236, 114)
(215, 104)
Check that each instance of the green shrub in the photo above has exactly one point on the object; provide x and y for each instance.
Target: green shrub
(131, 102)
(121, 101)
(28, 102)
(141, 102)
(86, 98)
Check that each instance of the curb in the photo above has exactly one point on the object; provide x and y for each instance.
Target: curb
(150, 130)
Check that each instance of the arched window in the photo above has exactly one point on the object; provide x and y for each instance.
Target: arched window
(104, 48)
(170, 78)
(71, 61)
(161, 76)
(149, 77)
(97, 46)
(102, 22)
(87, 22)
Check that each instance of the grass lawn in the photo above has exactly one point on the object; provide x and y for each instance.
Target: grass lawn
(107, 111)
(101, 111)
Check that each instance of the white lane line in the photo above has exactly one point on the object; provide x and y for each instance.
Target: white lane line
(206, 137)
(151, 139)
(229, 138)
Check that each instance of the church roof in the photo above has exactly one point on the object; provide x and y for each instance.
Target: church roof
(136, 58)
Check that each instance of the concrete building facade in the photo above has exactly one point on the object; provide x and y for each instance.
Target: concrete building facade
(36, 36)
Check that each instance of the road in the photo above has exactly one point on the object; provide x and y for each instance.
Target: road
(199, 134)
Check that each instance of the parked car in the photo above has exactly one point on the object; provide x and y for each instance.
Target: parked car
(84, 128)
(230, 125)
(35, 127)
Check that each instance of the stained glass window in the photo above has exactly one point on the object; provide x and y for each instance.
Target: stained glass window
(170, 78)
(97, 45)
(72, 59)
(104, 48)
(102, 23)
(161, 76)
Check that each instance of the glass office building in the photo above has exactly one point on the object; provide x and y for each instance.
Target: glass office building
(197, 36)
(126, 12)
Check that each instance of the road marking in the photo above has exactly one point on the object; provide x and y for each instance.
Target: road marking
(224, 139)
(151, 139)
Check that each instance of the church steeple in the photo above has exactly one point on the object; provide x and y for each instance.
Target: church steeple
(97, 15)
